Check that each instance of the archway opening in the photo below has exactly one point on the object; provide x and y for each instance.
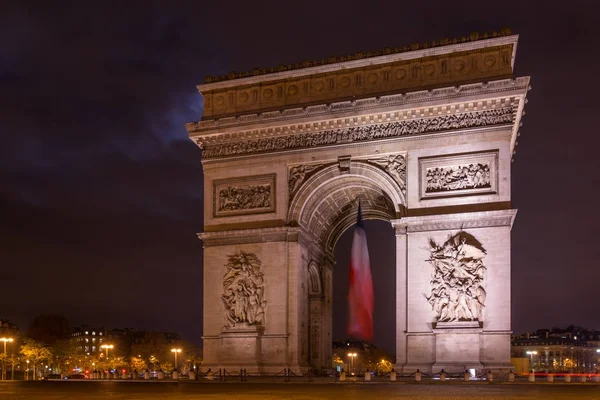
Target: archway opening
(382, 254)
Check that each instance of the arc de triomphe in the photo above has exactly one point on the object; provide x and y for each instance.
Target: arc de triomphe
(424, 136)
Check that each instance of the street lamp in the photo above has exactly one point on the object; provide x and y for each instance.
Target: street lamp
(531, 354)
(27, 375)
(352, 355)
(4, 339)
(175, 351)
(107, 346)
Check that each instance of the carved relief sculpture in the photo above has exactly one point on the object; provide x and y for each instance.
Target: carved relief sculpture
(457, 175)
(243, 291)
(298, 175)
(395, 166)
(248, 195)
(381, 131)
(457, 292)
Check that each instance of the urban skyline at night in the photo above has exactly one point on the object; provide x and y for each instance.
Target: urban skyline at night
(102, 193)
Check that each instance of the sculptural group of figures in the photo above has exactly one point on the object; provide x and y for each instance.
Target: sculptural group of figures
(245, 197)
(359, 133)
(471, 176)
(457, 292)
(243, 290)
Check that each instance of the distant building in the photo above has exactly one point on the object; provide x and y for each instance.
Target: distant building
(126, 342)
(88, 339)
(572, 349)
(8, 329)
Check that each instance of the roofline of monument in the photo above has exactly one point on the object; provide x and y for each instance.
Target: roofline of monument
(384, 59)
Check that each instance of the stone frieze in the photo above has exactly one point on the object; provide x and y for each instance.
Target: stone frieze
(246, 195)
(473, 119)
(459, 175)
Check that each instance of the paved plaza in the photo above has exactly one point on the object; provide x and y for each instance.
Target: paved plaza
(294, 390)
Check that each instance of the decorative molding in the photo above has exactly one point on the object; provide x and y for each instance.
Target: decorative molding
(344, 164)
(359, 78)
(448, 94)
(298, 174)
(395, 166)
(260, 235)
(473, 119)
(458, 175)
(457, 292)
(463, 42)
(243, 291)
(448, 222)
(244, 195)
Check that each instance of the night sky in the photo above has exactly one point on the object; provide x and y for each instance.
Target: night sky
(101, 191)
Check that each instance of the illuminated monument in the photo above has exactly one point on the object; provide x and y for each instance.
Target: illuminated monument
(424, 136)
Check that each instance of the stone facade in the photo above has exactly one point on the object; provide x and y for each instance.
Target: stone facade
(430, 152)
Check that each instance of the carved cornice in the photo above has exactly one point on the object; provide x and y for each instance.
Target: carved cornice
(473, 37)
(377, 76)
(465, 120)
(243, 236)
(355, 106)
(445, 222)
(262, 235)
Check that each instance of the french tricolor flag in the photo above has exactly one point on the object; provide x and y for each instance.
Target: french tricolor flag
(360, 293)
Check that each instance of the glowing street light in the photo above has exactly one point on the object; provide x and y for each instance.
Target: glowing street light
(107, 346)
(4, 339)
(352, 355)
(175, 351)
(531, 354)
(27, 374)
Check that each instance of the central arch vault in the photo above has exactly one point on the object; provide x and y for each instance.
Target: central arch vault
(325, 205)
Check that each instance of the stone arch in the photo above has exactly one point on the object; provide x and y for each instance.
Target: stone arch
(325, 205)
(315, 287)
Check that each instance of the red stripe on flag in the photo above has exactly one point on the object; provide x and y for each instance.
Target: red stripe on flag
(360, 293)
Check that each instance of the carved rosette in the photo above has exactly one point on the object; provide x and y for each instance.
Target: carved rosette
(395, 166)
(298, 174)
(457, 292)
(243, 291)
(472, 119)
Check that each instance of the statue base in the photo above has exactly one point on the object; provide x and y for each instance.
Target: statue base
(240, 348)
(457, 346)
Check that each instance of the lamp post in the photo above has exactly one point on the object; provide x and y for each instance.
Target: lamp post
(531, 354)
(352, 355)
(175, 351)
(4, 339)
(107, 346)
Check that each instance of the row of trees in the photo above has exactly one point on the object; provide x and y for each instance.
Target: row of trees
(64, 357)
(49, 346)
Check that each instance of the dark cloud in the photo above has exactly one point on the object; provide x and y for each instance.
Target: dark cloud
(101, 192)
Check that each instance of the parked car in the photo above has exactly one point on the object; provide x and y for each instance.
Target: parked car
(75, 376)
